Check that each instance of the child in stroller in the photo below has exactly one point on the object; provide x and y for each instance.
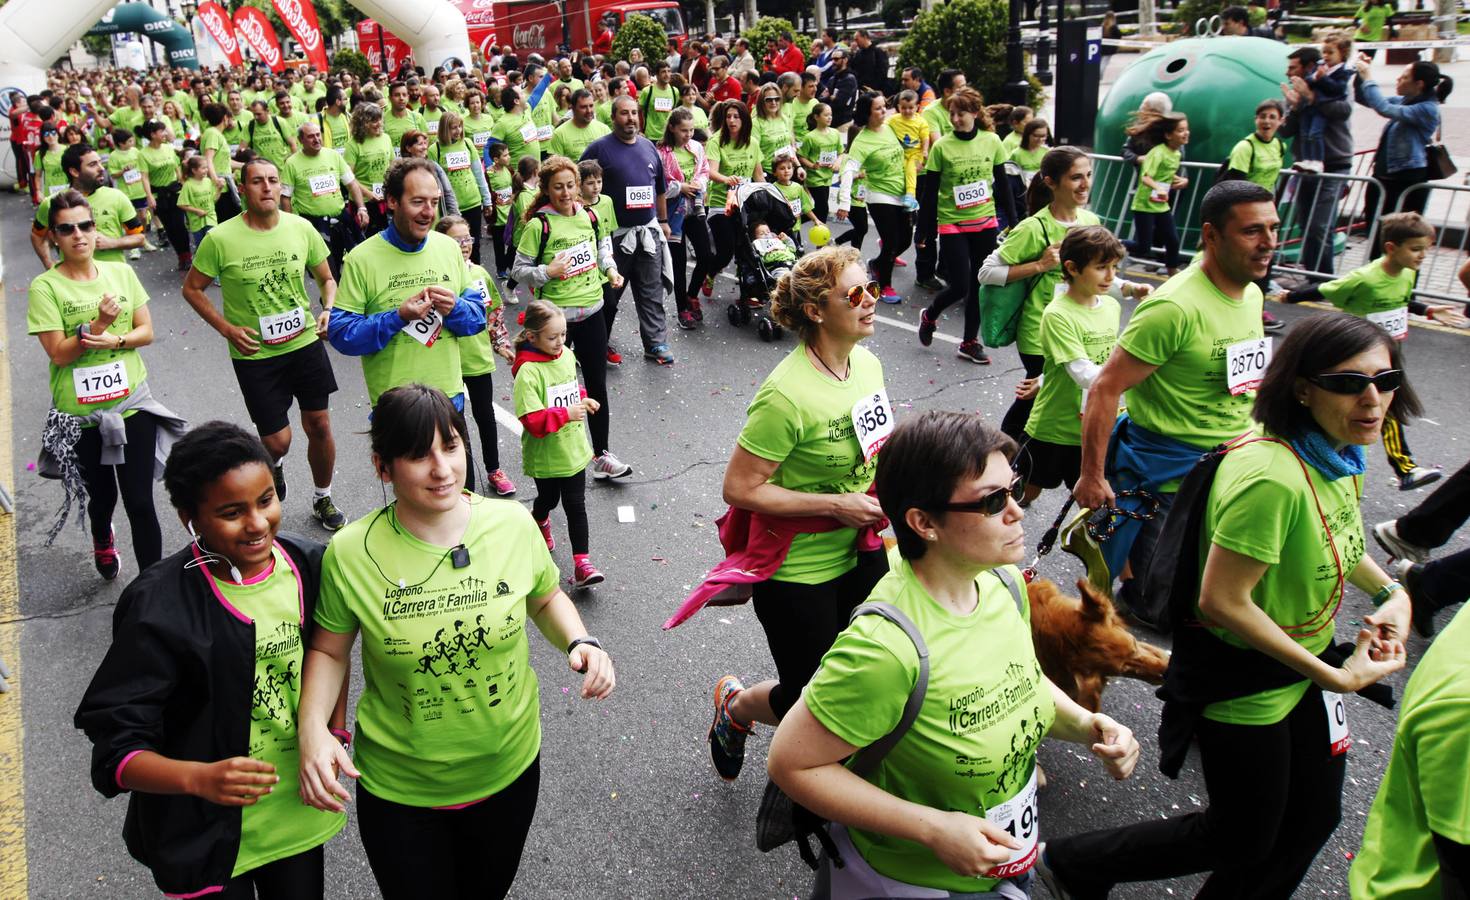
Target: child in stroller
(765, 217)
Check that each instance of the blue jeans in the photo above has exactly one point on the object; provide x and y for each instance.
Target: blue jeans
(198, 236)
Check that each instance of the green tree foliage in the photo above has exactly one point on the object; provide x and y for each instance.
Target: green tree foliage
(763, 36)
(643, 32)
(349, 60)
(969, 35)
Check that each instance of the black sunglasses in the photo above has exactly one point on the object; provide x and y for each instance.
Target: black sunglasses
(993, 503)
(65, 229)
(1354, 383)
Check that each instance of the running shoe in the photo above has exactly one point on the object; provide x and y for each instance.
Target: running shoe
(932, 283)
(899, 262)
(709, 285)
(926, 328)
(1419, 476)
(605, 465)
(686, 320)
(695, 308)
(502, 274)
(104, 556)
(1049, 877)
(660, 354)
(727, 734)
(149, 246)
(890, 296)
(973, 352)
(1387, 536)
(1270, 324)
(584, 574)
(327, 513)
(1407, 573)
(614, 358)
(545, 526)
(279, 472)
(504, 487)
(135, 253)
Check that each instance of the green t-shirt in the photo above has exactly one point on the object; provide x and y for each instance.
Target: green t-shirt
(450, 708)
(126, 168)
(574, 236)
(199, 193)
(796, 112)
(502, 191)
(53, 177)
(162, 163)
(477, 352)
(518, 207)
(1029, 160)
(823, 145)
(801, 419)
(518, 133)
(543, 385)
(1161, 164)
(396, 126)
(1011, 141)
(1373, 19)
(99, 379)
(269, 139)
(1260, 506)
(570, 141)
(1261, 162)
(937, 115)
(797, 197)
(966, 176)
(772, 134)
(1025, 243)
(278, 825)
(1426, 790)
(235, 136)
(126, 117)
(459, 161)
(431, 120)
(604, 113)
(377, 276)
(734, 161)
(293, 123)
(701, 118)
(1069, 331)
(973, 746)
(1187, 328)
(369, 161)
(656, 103)
(1368, 292)
(879, 155)
(307, 99)
(478, 129)
(336, 131)
(111, 210)
(216, 149)
(261, 276)
(314, 183)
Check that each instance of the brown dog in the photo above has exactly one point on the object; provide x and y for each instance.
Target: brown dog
(1081, 643)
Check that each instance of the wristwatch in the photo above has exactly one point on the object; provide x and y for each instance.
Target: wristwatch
(592, 641)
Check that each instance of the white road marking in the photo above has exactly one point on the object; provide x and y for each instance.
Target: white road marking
(896, 323)
(508, 421)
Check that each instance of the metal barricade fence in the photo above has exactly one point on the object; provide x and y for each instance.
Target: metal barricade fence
(1439, 273)
(1328, 221)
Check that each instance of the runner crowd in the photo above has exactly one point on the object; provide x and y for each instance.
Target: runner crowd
(222, 708)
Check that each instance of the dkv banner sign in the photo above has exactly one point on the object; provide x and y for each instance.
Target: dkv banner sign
(300, 18)
(217, 23)
(257, 31)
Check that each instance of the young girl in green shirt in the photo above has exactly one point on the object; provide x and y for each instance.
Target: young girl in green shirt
(1153, 217)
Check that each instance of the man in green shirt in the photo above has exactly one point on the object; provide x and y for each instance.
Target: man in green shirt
(572, 136)
(307, 91)
(288, 113)
(657, 101)
(118, 227)
(798, 109)
(312, 185)
(268, 135)
(399, 119)
(275, 343)
(431, 109)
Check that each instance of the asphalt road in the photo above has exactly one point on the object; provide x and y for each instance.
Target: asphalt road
(630, 805)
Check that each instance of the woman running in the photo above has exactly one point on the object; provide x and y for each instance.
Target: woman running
(875, 154)
(687, 171)
(734, 158)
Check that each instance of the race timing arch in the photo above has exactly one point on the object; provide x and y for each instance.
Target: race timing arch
(141, 18)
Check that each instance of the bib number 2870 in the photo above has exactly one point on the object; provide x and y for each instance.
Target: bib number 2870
(1245, 364)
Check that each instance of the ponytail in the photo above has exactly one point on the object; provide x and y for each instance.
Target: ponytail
(1054, 166)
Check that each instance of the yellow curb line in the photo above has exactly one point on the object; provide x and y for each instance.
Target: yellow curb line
(13, 882)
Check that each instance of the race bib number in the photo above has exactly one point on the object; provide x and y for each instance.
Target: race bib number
(563, 396)
(663, 104)
(278, 328)
(796, 207)
(544, 133)
(1018, 816)
(484, 289)
(55, 189)
(459, 159)
(322, 185)
(132, 176)
(967, 196)
(579, 259)
(481, 138)
(502, 197)
(99, 384)
(234, 148)
(872, 422)
(426, 330)
(377, 190)
(1245, 364)
(1339, 737)
(178, 143)
(529, 132)
(827, 158)
(1393, 321)
(341, 151)
(860, 191)
(767, 245)
(1159, 195)
(640, 197)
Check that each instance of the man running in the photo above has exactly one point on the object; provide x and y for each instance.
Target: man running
(311, 187)
(275, 343)
(268, 135)
(573, 136)
(118, 227)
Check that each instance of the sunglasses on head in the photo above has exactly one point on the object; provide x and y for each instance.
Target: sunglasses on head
(1354, 383)
(66, 229)
(856, 292)
(993, 503)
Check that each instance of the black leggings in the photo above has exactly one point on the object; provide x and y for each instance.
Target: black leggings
(571, 493)
(725, 234)
(299, 877)
(858, 216)
(802, 620)
(896, 231)
(963, 254)
(475, 218)
(502, 248)
(418, 851)
(1014, 422)
(588, 339)
(135, 479)
(174, 223)
(820, 198)
(481, 393)
(1275, 798)
(1150, 225)
(696, 235)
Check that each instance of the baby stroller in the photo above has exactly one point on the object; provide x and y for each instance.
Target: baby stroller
(756, 203)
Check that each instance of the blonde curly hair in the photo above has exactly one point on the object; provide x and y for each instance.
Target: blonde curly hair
(809, 281)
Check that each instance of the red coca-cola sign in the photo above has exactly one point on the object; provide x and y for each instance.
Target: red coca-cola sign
(300, 19)
(256, 29)
(217, 23)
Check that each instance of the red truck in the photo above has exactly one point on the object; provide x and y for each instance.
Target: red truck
(523, 27)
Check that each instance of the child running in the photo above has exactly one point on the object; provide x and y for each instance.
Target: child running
(554, 450)
(196, 198)
(523, 183)
(1033, 146)
(1153, 216)
(818, 153)
(797, 196)
(502, 192)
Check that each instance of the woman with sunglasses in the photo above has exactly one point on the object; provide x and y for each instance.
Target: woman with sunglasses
(771, 129)
(734, 159)
(875, 156)
(1280, 536)
(802, 466)
(921, 821)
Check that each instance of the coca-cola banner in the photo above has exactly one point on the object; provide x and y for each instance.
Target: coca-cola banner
(377, 43)
(257, 31)
(217, 23)
(300, 19)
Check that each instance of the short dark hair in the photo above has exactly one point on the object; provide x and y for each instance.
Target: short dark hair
(914, 72)
(1225, 196)
(579, 94)
(1235, 14)
(1396, 228)
(1312, 346)
(1308, 56)
(924, 459)
(1087, 245)
(71, 157)
(406, 419)
(946, 78)
(206, 453)
(398, 172)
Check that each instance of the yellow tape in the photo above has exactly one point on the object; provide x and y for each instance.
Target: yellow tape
(12, 734)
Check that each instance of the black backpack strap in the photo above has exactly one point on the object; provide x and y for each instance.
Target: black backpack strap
(281, 130)
(866, 760)
(1009, 580)
(545, 235)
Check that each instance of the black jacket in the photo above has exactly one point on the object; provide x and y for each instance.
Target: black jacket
(840, 90)
(1337, 135)
(178, 680)
(870, 65)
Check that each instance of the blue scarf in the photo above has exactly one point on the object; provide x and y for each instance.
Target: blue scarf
(392, 236)
(1313, 446)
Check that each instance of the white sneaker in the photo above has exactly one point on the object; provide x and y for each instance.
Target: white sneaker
(605, 465)
(1387, 536)
(135, 253)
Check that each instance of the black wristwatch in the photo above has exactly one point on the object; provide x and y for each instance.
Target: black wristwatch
(583, 640)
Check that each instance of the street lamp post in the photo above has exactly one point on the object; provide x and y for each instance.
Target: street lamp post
(1016, 91)
(1043, 45)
